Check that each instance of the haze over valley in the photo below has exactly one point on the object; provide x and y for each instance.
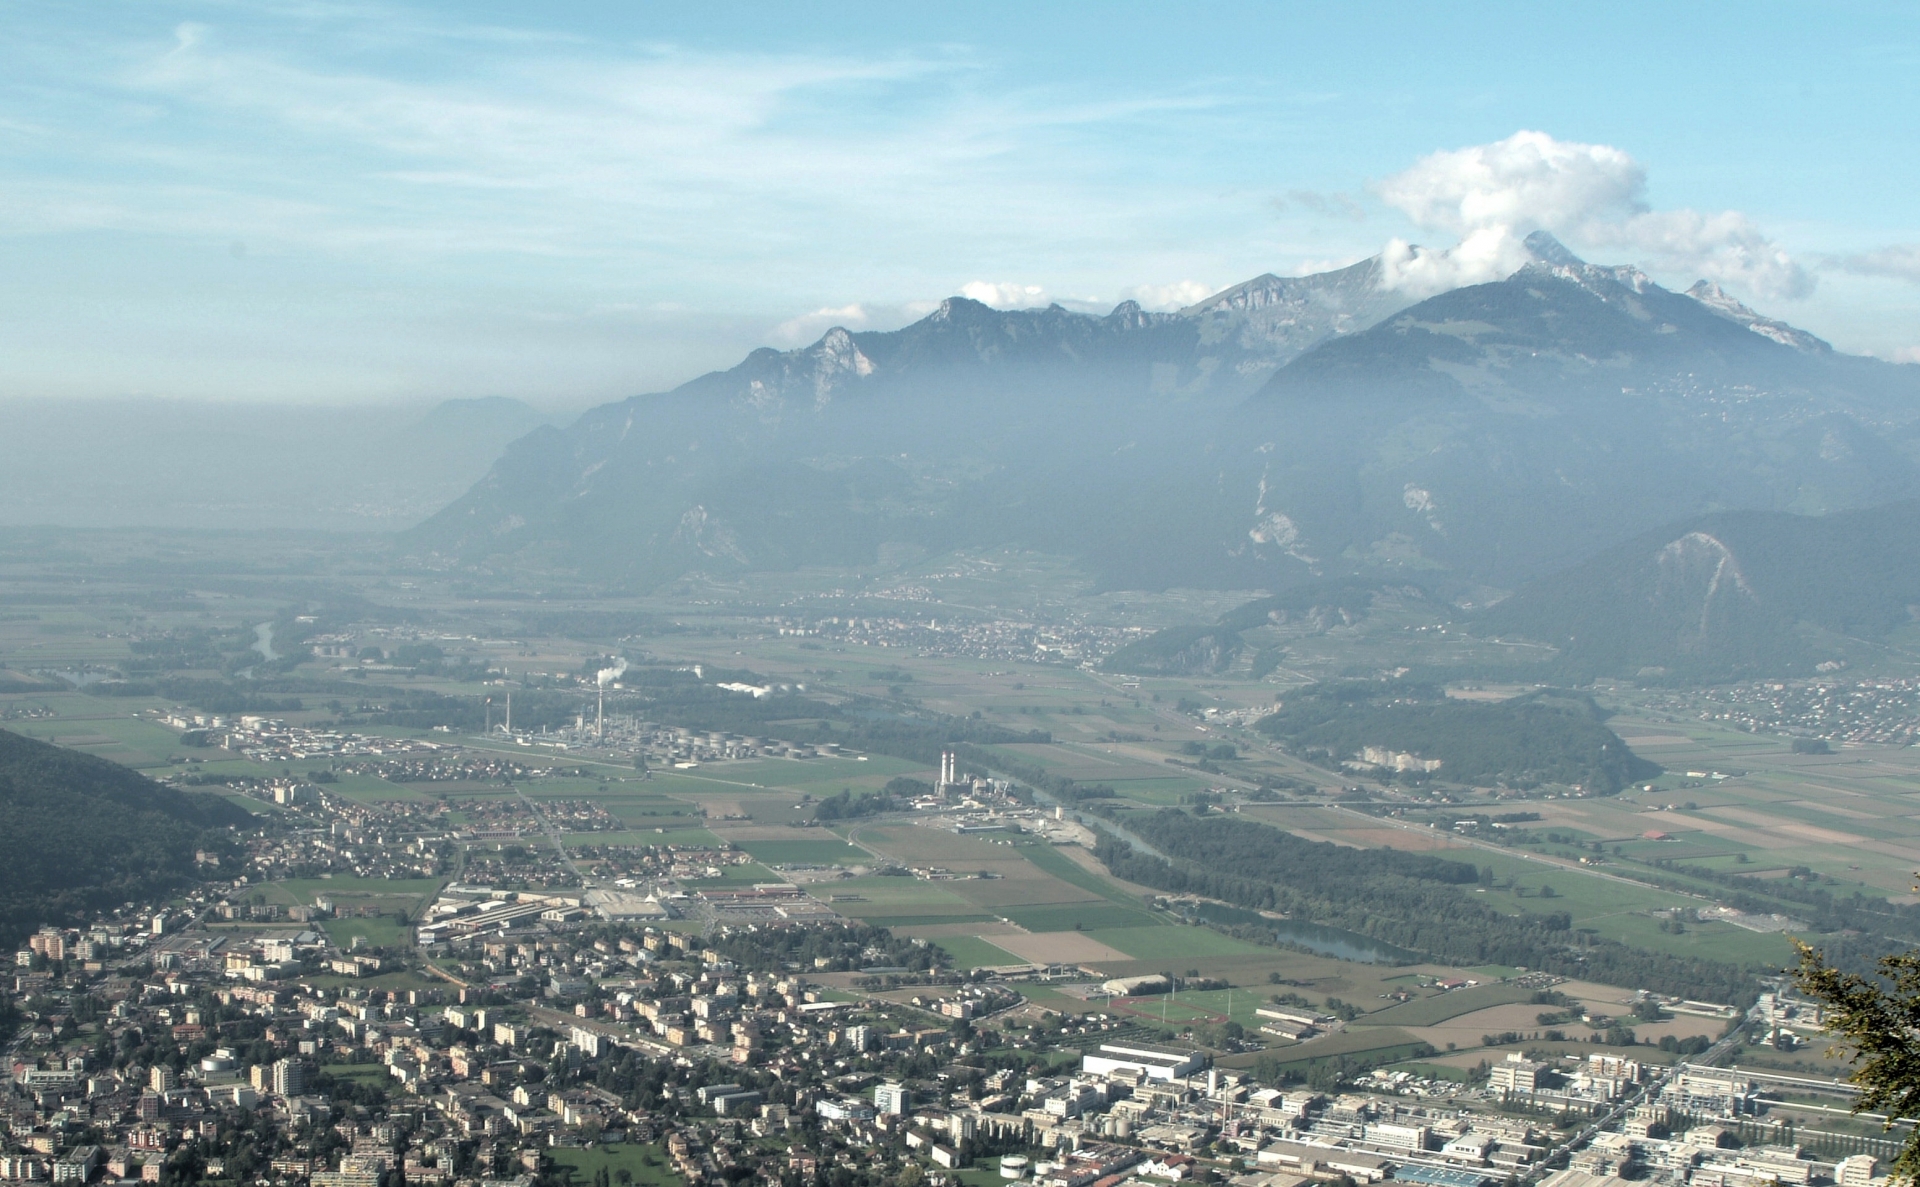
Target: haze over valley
(887, 598)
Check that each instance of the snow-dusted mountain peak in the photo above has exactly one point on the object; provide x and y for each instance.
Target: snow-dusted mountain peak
(1728, 306)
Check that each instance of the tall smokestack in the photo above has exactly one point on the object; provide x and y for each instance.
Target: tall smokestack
(509, 712)
(600, 716)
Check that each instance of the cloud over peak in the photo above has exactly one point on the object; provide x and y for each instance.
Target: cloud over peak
(809, 326)
(1002, 295)
(1492, 196)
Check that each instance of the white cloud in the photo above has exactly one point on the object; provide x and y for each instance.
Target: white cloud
(1005, 296)
(461, 140)
(1528, 178)
(809, 326)
(1491, 196)
(1159, 298)
(1166, 298)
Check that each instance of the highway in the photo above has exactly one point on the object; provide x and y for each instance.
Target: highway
(551, 835)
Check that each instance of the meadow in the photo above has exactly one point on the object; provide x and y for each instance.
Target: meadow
(627, 1164)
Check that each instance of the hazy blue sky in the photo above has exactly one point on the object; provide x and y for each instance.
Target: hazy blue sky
(569, 203)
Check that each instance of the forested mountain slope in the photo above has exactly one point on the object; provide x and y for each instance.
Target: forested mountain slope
(79, 834)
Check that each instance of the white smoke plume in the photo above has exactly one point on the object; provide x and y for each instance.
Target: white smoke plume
(1492, 196)
(607, 676)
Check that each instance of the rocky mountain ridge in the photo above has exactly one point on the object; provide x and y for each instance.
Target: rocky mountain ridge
(1284, 429)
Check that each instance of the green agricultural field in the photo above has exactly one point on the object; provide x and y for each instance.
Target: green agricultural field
(111, 735)
(972, 952)
(651, 812)
(807, 852)
(567, 787)
(627, 1165)
(384, 981)
(1060, 866)
(226, 767)
(1430, 1011)
(1165, 1008)
(900, 891)
(1714, 941)
(410, 895)
(901, 902)
(1080, 917)
(1617, 910)
(365, 1073)
(384, 932)
(692, 838)
(1052, 999)
(257, 807)
(1158, 793)
(1382, 1044)
(677, 785)
(1176, 942)
(369, 789)
(984, 1174)
(884, 919)
(811, 774)
(1238, 1004)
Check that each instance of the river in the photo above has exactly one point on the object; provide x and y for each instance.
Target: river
(263, 642)
(1336, 942)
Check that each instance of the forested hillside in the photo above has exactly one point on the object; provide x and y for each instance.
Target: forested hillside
(1313, 605)
(1522, 743)
(79, 834)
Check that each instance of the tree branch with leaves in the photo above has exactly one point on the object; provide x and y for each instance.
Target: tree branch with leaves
(1876, 1022)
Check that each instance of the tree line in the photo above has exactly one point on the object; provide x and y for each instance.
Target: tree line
(1411, 901)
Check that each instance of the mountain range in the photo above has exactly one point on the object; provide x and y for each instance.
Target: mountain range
(1283, 430)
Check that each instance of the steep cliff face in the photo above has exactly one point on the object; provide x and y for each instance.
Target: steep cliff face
(1728, 594)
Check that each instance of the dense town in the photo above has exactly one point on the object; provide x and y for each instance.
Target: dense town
(546, 1004)
(1879, 710)
(505, 1031)
(961, 637)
